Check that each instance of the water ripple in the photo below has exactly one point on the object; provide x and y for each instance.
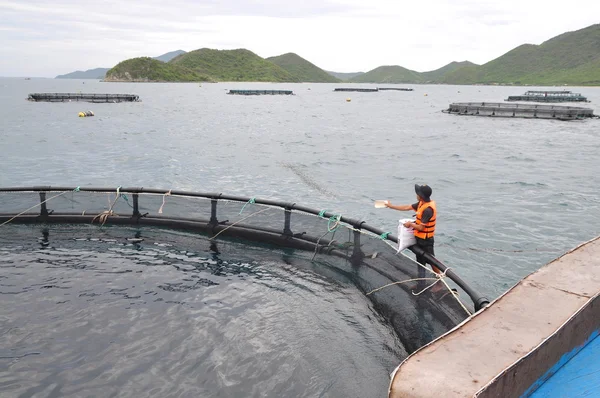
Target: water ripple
(95, 317)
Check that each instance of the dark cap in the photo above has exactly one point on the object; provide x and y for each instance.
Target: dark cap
(424, 191)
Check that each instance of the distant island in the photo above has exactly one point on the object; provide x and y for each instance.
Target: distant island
(302, 70)
(96, 73)
(572, 58)
(146, 69)
(100, 73)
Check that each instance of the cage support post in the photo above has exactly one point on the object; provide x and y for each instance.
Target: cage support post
(136, 208)
(356, 252)
(287, 230)
(213, 213)
(43, 208)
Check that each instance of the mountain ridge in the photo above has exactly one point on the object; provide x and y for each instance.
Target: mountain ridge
(233, 65)
(302, 69)
(100, 73)
(569, 58)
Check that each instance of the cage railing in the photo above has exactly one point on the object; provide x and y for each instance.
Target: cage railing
(283, 236)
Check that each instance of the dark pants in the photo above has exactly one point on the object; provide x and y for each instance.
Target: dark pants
(427, 246)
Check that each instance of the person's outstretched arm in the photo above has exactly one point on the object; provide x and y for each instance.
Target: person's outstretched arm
(399, 207)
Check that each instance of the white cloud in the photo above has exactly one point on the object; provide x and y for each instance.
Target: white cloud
(46, 38)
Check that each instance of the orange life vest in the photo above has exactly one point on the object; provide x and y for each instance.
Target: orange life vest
(429, 230)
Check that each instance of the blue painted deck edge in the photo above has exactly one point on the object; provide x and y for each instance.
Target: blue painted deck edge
(561, 362)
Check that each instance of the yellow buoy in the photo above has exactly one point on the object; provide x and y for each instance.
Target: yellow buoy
(81, 114)
(348, 99)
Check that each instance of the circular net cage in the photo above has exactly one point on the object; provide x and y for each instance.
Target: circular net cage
(419, 305)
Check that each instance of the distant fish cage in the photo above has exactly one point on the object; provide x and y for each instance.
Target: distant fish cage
(372, 90)
(548, 96)
(395, 89)
(76, 97)
(499, 109)
(359, 90)
(261, 92)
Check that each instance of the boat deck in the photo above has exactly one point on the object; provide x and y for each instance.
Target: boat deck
(522, 339)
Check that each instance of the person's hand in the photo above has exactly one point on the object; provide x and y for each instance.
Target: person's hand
(408, 224)
(387, 204)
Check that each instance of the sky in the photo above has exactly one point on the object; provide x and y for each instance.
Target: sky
(44, 38)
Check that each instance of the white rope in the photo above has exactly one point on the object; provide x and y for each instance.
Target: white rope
(439, 277)
(33, 207)
(400, 282)
(239, 221)
(160, 210)
(329, 229)
(102, 217)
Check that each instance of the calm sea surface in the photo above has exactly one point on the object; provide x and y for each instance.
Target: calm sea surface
(512, 195)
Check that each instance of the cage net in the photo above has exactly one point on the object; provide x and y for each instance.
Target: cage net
(393, 281)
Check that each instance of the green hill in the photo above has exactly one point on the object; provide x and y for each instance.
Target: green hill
(570, 58)
(301, 69)
(398, 74)
(232, 65)
(389, 74)
(437, 75)
(100, 73)
(169, 56)
(147, 69)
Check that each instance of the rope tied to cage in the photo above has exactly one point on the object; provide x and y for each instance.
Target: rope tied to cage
(401, 282)
(102, 217)
(126, 200)
(437, 277)
(39, 204)
(384, 235)
(251, 201)
(239, 221)
(160, 210)
(335, 219)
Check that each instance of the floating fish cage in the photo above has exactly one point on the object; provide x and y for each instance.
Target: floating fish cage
(261, 92)
(372, 90)
(364, 253)
(359, 90)
(548, 96)
(500, 109)
(77, 97)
